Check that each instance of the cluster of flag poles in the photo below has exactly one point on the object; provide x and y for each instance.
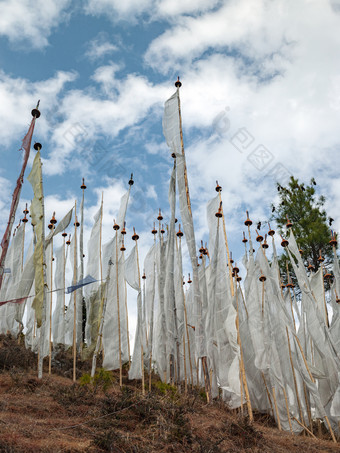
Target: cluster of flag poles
(255, 344)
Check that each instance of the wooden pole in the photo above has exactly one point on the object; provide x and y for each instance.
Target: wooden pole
(206, 378)
(308, 407)
(185, 367)
(262, 299)
(142, 352)
(50, 329)
(186, 323)
(226, 244)
(152, 315)
(23, 247)
(324, 298)
(182, 147)
(64, 283)
(188, 338)
(268, 393)
(313, 380)
(243, 372)
(127, 324)
(82, 327)
(101, 326)
(287, 407)
(304, 427)
(241, 388)
(43, 326)
(75, 295)
(102, 299)
(294, 378)
(276, 410)
(118, 316)
(290, 296)
(100, 240)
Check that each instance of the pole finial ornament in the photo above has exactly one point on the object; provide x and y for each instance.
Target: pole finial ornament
(35, 112)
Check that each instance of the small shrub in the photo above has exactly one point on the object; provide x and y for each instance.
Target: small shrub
(13, 355)
(166, 389)
(85, 380)
(101, 380)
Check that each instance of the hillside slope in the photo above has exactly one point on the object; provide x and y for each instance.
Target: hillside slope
(56, 415)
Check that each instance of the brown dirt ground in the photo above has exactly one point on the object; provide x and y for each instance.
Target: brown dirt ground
(56, 415)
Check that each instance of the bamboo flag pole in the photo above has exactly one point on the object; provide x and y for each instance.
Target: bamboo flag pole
(242, 368)
(24, 221)
(268, 393)
(154, 233)
(64, 235)
(313, 380)
(304, 427)
(37, 146)
(101, 326)
(122, 249)
(287, 408)
(241, 390)
(26, 146)
(262, 280)
(100, 239)
(185, 368)
(179, 235)
(289, 286)
(51, 226)
(75, 293)
(219, 190)
(135, 238)
(50, 326)
(116, 228)
(294, 378)
(188, 338)
(324, 297)
(101, 268)
(178, 84)
(81, 249)
(127, 323)
(276, 410)
(308, 407)
(160, 237)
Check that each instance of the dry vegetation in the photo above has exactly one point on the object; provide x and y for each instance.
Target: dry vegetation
(56, 415)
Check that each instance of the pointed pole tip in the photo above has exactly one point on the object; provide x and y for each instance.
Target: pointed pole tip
(178, 84)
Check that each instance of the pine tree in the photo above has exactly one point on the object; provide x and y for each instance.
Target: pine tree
(300, 205)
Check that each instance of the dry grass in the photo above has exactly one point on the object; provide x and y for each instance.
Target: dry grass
(56, 415)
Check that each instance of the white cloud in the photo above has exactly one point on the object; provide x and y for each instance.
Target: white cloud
(151, 192)
(100, 47)
(116, 9)
(176, 7)
(265, 67)
(105, 76)
(151, 9)
(24, 21)
(87, 114)
(17, 98)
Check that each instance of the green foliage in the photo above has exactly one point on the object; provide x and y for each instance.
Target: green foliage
(166, 389)
(102, 379)
(305, 209)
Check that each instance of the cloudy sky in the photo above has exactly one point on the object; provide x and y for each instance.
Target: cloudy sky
(260, 101)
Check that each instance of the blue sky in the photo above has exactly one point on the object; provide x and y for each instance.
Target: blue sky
(260, 78)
